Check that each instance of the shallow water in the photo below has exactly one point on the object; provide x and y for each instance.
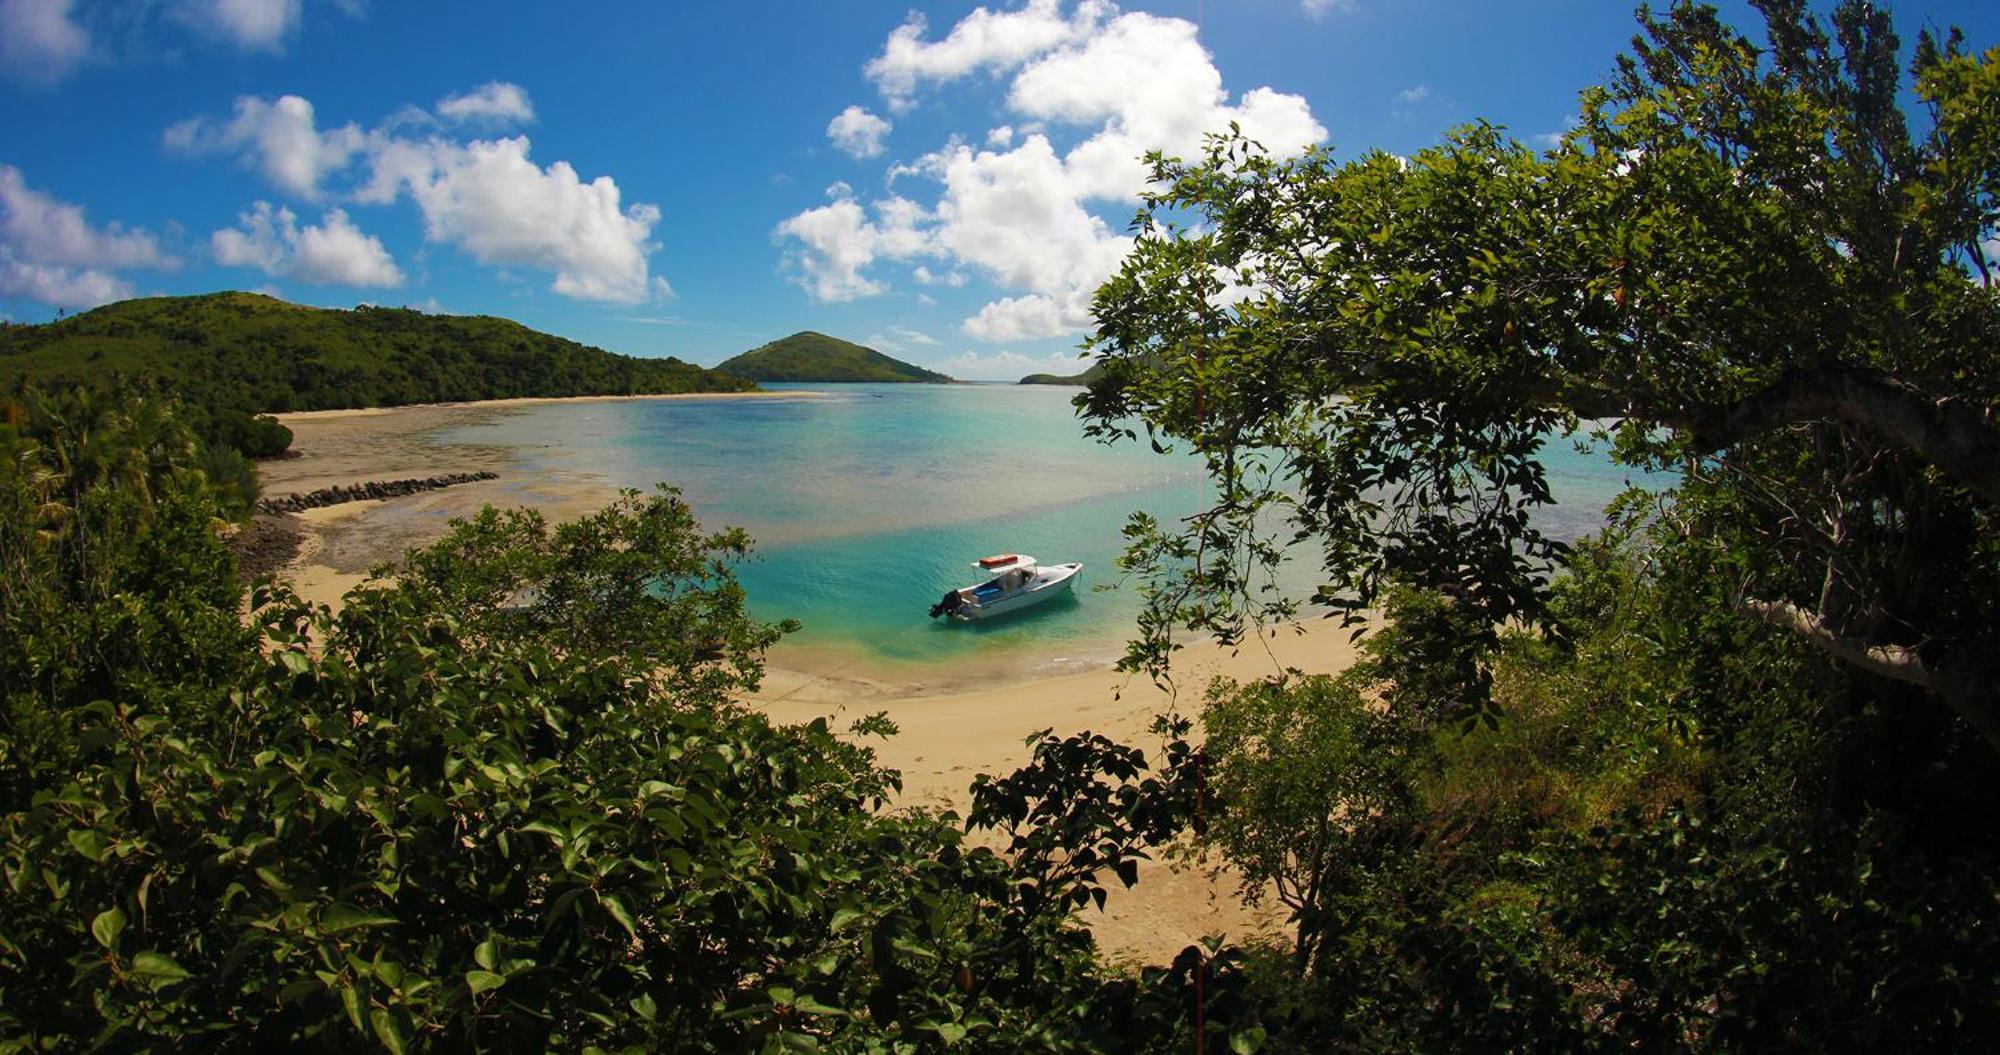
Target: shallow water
(868, 502)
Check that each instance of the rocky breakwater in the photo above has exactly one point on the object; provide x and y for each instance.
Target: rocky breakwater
(362, 492)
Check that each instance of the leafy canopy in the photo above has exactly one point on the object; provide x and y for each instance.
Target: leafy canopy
(1745, 264)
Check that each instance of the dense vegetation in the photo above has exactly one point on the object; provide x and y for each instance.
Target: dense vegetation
(1085, 378)
(502, 804)
(809, 356)
(1721, 779)
(231, 356)
(1716, 780)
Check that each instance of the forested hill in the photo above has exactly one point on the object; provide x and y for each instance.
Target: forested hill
(809, 356)
(1096, 371)
(253, 353)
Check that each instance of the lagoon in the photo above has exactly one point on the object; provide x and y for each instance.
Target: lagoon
(869, 501)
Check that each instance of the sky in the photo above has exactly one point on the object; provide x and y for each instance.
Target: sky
(947, 183)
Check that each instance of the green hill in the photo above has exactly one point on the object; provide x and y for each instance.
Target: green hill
(251, 353)
(1096, 371)
(809, 356)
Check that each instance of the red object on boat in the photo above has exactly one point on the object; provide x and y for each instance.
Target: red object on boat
(999, 560)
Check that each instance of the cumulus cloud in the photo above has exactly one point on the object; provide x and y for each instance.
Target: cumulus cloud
(488, 198)
(857, 132)
(59, 287)
(986, 40)
(485, 197)
(1010, 365)
(39, 41)
(253, 25)
(280, 139)
(49, 251)
(1024, 212)
(839, 240)
(1415, 95)
(1316, 8)
(334, 252)
(40, 228)
(495, 102)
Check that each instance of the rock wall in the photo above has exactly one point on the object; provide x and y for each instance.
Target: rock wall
(361, 492)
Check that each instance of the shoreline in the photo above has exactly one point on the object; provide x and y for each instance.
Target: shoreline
(957, 720)
(289, 416)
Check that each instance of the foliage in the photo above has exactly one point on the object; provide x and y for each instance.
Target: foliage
(1718, 779)
(809, 356)
(505, 802)
(237, 355)
(1744, 261)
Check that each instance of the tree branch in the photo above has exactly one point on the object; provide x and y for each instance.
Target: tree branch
(1955, 436)
(1964, 687)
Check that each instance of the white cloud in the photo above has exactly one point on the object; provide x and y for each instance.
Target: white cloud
(923, 275)
(59, 287)
(1023, 213)
(1031, 317)
(39, 228)
(899, 339)
(335, 252)
(839, 241)
(280, 138)
(490, 199)
(1317, 8)
(1010, 366)
(39, 42)
(1415, 95)
(253, 25)
(486, 197)
(857, 132)
(495, 102)
(49, 252)
(982, 40)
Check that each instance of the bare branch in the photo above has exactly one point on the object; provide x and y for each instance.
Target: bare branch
(1964, 687)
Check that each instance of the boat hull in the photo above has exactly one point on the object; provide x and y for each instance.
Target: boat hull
(1043, 589)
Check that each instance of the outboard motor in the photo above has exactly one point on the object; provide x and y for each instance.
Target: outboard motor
(951, 602)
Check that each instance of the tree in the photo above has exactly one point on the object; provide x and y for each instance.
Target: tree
(507, 802)
(1745, 264)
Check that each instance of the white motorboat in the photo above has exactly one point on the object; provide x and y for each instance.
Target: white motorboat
(1017, 582)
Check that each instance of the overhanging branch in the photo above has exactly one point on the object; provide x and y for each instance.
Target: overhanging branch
(1954, 436)
(1966, 689)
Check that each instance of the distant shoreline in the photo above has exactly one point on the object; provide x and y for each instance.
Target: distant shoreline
(289, 416)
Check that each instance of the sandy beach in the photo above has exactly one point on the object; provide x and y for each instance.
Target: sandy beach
(949, 733)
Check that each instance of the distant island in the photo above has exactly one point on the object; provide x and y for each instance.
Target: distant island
(1088, 376)
(810, 356)
(233, 356)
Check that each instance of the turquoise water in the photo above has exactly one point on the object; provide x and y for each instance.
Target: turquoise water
(870, 501)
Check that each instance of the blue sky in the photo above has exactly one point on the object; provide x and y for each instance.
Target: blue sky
(694, 179)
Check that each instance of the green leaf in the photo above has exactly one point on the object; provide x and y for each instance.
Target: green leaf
(487, 955)
(158, 969)
(107, 926)
(387, 1029)
(1246, 1041)
(481, 981)
(646, 1007)
(343, 916)
(615, 905)
(350, 998)
(842, 919)
(87, 842)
